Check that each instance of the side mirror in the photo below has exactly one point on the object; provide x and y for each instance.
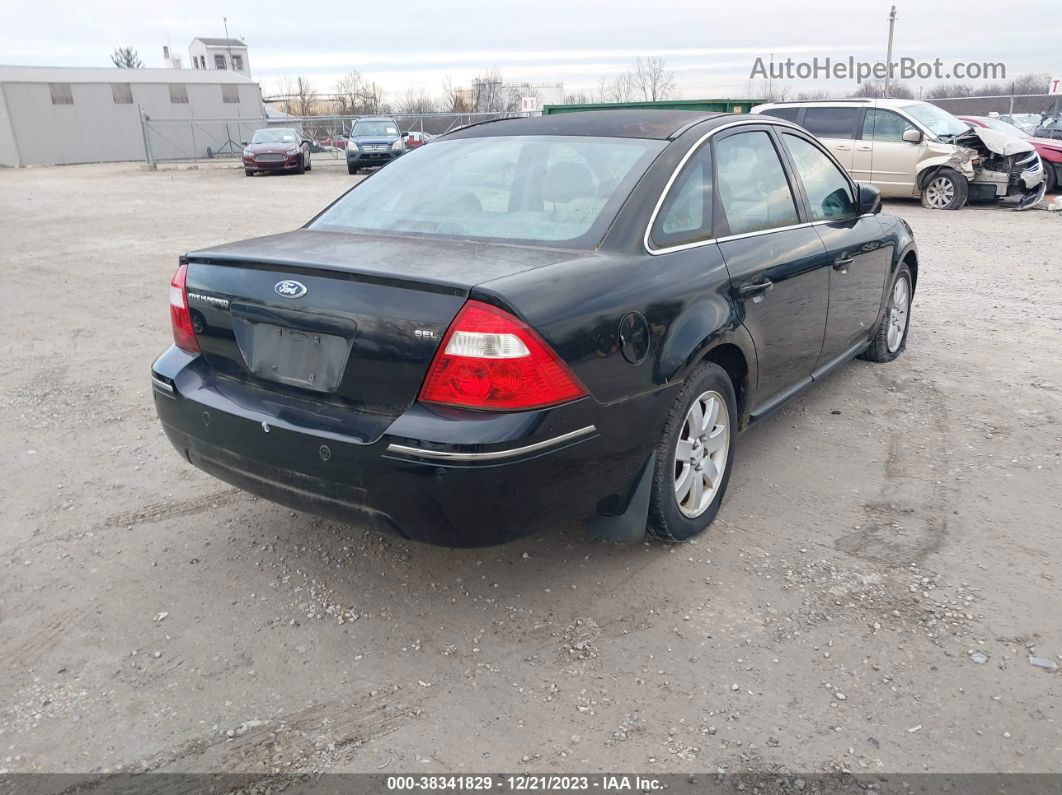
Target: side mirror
(243, 143)
(868, 197)
(912, 136)
(405, 135)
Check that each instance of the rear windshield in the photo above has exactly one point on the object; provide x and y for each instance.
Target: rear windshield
(555, 190)
(379, 127)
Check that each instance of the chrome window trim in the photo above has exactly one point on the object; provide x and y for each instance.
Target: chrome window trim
(709, 241)
(491, 455)
(646, 241)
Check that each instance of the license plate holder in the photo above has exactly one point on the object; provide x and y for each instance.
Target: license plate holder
(291, 353)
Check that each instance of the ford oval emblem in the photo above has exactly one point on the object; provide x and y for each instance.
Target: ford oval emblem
(289, 288)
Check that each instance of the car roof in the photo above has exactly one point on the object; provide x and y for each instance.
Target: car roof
(880, 102)
(374, 118)
(626, 123)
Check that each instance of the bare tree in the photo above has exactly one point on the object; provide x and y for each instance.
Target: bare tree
(805, 95)
(652, 80)
(945, 90)
(455, 99)
(577, 98)
(416, 102)
(619, 89)
(1030, 84)
(371, 98)
(126, 58)
(305, 97)
(348, 93)
(488, 94)
(872, 88)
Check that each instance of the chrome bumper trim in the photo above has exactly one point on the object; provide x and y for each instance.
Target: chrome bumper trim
(162, 386)
(492, 455)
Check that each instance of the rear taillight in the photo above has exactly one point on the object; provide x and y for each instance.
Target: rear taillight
(490, 360)
(180, 316)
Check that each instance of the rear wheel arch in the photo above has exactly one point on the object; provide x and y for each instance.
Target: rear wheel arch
(733, 360)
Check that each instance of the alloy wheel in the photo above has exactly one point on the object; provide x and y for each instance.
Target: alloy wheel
(940, 192)
(899, 311)
(701, 454)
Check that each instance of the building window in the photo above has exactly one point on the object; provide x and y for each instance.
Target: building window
(178, 93)
(219, 62)
(230, 95)
(61, 94)
(237, 63)
(122, 93)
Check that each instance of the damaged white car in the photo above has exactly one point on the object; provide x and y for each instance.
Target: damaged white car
(914, 149)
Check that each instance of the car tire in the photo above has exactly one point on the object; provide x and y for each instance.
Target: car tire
(1050, 177)
(676, 512)
(301, 167)
(944, 189)
(249, 172)
(309, 163)
(890, 337)
(351, 169)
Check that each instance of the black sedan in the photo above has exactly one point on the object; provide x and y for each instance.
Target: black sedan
(535, 320)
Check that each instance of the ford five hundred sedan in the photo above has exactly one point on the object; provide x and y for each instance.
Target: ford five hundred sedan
(535, 321)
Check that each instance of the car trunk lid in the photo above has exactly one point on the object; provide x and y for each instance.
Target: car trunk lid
(348, 319)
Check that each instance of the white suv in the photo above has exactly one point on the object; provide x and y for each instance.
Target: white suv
(909, 149)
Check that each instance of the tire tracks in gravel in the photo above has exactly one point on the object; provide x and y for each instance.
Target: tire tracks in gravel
(909, 520)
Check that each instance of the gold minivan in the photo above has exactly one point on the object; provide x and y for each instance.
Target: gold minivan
(909, 148)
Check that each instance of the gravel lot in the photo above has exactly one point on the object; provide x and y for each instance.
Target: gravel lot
(885, 564)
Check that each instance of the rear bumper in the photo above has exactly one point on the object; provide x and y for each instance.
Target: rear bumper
(447, 477)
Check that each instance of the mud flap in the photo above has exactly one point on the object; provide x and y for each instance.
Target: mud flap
(629, 526)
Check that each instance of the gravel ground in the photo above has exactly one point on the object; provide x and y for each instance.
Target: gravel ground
(884, 568)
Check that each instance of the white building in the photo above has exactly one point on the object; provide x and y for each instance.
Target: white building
(53, 115)
(229, 54)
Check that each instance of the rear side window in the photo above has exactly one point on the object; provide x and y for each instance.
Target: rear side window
(61, 94)
(686, 214)
(884, 125)
(832, 122)
(753, 188)
(828, 190)
(789, 114)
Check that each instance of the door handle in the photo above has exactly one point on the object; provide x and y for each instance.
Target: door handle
(865, 148)
(842, 147)
(755, 290)
(842, 263)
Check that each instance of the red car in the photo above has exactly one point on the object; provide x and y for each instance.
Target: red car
(1050, 150)
(417, 139)
(276, 149)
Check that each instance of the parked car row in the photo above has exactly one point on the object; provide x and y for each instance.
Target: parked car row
(909, 148)
(373, 141)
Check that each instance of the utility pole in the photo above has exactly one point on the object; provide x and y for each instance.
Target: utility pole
(888, 52)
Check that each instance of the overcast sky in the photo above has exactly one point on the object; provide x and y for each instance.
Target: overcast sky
(403, 44)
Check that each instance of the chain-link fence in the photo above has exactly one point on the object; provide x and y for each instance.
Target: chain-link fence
(1027, 111)
(169, 140)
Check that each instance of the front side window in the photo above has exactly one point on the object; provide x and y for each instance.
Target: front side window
(885, 126)
(686, 214)
(178, 93)
(828, 190)
(753, 189)
(545, 189)
(832, 122)
(230, 95)
(937, 120)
